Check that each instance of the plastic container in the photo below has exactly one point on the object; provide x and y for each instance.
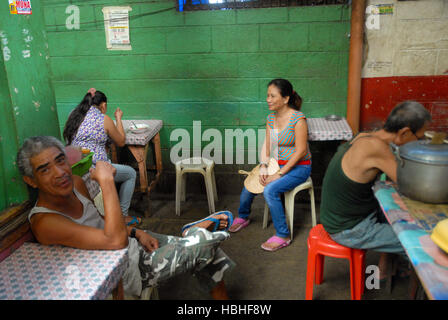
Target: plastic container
(81, 167)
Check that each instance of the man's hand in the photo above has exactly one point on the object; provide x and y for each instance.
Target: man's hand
(103, 171)
(148, 242)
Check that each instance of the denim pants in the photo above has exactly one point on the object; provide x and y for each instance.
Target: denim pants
(272, 195)
(126, 176)
(370, 234)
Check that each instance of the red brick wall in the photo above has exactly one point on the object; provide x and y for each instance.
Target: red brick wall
(380, 95)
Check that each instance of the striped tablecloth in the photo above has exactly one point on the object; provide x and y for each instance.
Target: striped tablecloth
(320, 129)
(38, 272)
(144, 137)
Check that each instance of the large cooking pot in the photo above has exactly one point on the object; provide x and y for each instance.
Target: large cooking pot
(422, 172)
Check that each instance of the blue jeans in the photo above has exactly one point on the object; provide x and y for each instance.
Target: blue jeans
(272, 194)
(370, 234)
(126, 176)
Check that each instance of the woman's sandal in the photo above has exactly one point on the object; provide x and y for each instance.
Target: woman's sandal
(243, 223)
(274, 239)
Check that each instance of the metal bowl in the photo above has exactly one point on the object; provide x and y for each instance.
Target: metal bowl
(333, 117)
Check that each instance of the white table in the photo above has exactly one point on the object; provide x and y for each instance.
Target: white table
(320, 129)
(39, 272)
(138, 144)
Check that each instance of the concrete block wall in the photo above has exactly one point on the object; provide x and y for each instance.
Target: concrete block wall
(406, 58)
(208, 66)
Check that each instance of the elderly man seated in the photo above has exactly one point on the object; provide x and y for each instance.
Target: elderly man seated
(64, 214)
(349, 211)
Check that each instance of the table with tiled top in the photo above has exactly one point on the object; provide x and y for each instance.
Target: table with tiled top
(39, 272)
(138, 144)
(320, 129)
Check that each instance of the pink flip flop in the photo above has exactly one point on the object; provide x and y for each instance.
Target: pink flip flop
(242, 224)
(274, 239)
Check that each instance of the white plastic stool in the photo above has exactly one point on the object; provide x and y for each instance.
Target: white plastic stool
(203, 166)
(289, 204)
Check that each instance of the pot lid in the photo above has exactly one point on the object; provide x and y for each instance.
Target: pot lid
(424, 151)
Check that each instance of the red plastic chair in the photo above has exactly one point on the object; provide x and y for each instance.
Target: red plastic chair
(320, 245)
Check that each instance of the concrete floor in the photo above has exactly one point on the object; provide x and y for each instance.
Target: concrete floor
(259, 275)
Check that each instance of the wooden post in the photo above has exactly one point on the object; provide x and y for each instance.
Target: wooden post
(355, 64)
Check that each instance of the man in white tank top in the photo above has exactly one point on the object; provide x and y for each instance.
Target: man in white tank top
(64, 214)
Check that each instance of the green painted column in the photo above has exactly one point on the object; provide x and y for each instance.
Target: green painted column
(26, 93)
(10, 191)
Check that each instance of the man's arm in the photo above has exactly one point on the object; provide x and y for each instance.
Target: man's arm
(384, 160)
(370, 155)
(52, 228)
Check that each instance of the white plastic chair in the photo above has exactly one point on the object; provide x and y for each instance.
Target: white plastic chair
(200, 165)
(289, 205)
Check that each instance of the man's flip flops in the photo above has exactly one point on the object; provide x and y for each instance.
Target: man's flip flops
(214, 220)
(274, 239)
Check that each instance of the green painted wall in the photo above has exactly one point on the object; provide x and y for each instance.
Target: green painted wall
(26, 94)
(211, 66)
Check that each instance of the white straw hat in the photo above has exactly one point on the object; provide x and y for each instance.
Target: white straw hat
(252, 182)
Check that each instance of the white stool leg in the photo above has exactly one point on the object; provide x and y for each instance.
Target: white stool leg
(313, 207)
(265, 215)
(183, 188)
(289, 210)
(215, 191)
(209, 189)
(178, 188)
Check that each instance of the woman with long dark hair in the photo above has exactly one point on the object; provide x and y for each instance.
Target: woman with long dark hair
(287, 132)
(89, 127)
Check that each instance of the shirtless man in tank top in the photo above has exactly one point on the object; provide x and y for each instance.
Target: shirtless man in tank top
(349, 210)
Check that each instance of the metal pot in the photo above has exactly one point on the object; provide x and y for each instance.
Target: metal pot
(422, 172)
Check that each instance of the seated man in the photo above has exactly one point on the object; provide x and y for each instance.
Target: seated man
(349, 210)
(64, 214)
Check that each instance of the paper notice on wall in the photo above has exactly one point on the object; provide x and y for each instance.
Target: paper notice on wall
(116, 25)
(20, 7)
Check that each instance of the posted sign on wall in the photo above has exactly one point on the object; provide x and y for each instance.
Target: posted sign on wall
(116, 24)
(20, 7)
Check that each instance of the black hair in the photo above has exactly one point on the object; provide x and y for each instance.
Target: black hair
(409, 114)
(77, 115)
(286, 90)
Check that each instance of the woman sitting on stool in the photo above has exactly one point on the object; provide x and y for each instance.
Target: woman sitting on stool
(286, 126)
